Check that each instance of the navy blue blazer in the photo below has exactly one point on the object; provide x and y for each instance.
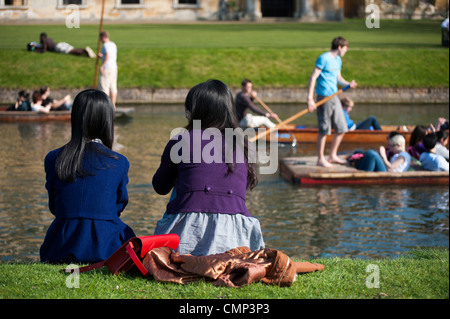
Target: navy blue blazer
(87, 226)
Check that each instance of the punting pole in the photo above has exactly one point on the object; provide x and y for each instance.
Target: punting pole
(98, 45)
(294, 140)
(296, 116)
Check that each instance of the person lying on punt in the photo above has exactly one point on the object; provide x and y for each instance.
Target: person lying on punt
(370, 123)
(373, 161)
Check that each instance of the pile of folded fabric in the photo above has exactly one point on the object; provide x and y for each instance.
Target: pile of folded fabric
(235, 268)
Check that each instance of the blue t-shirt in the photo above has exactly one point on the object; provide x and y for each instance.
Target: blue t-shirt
(326, 83)
(349, 121)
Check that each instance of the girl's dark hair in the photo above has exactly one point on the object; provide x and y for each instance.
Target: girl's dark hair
(212, 103)
(417, 135)
(92, 117)
(36, 96)
(442, 134)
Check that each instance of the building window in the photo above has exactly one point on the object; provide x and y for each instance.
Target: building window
(129, 4)
(186, 3)
(62, 4)
(13, 4)
(67, 2)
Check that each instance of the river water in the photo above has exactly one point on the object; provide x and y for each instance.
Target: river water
(326, 221)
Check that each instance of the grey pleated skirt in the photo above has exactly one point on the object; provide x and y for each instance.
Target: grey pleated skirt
(203, 234)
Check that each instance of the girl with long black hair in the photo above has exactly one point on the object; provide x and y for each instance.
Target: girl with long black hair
(208, 212)
(86, 183)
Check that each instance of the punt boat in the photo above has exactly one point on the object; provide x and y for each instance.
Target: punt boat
(30, 116)
(302, 134)
(303, 170)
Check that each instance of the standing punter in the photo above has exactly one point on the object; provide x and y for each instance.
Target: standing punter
(327, 73)
(108, 69)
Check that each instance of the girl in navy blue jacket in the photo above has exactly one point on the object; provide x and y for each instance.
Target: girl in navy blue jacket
(86, 183)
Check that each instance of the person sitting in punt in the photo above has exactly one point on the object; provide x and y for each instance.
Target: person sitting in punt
(441, 124)
(429, 159)
(64, 104)
(244, 104)
(22, 102)
(441, 144)
(36, 105)
(208, 212)
(373, 161)
(371, 123)
(416, 147)
(86, 183)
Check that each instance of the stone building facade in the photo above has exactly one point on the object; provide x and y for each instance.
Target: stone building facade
(31, 11)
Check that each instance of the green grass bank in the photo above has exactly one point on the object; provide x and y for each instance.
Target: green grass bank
(400, 54)
(419, 274)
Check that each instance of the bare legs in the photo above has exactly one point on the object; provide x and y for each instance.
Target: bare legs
(333, 157)
(113, 96)
(79, 52)
(321, 161)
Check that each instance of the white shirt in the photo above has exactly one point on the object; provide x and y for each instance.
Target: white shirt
(441, 150)
(110, 48)
(433, 162)
(444, 24)
(38, 108)
(405, 165)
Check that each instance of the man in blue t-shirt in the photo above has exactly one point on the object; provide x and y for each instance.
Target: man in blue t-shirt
(325, 78)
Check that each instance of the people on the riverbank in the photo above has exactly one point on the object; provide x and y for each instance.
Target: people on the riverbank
(373, 161)
(209, 211)
(416, 147)
(429, 159)
(370, 123)
(327, 75)
(87, 187)
(64, 104)
(22, 103)
(244, 104)
(108, 68)
(37, 103)
(47, 44)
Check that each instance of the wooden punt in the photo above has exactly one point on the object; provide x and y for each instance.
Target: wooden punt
(309, 135)
(24, 116)
(303, 170)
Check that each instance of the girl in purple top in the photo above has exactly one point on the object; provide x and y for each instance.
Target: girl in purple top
(208, 211)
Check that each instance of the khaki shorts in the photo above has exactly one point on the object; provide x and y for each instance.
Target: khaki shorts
(108, 81)
(330, 115)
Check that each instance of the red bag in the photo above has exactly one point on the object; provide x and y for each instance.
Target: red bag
(131, 253)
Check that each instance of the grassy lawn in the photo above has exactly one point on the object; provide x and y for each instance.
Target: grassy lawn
(399, 54)
(420, 274)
